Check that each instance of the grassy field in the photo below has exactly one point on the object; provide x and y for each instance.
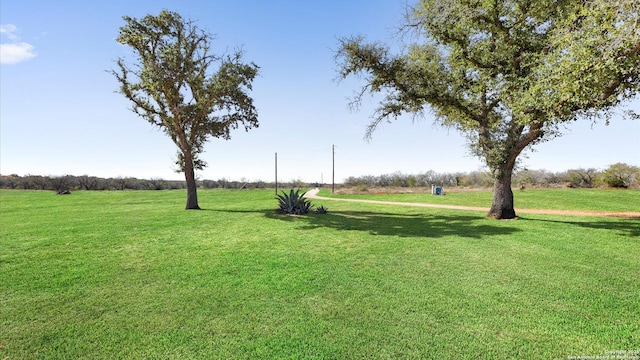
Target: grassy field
(131, 275)
(555, 199)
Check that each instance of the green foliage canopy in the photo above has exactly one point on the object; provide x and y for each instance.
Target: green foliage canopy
(173, 87)
(506, 73)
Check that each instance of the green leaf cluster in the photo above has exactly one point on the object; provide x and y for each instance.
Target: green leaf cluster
(507, 74)
(620, 175)
(321, 210)
(293, 203)
(177, 84)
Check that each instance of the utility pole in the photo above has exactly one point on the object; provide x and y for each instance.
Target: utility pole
(333, 168)
(276, 173)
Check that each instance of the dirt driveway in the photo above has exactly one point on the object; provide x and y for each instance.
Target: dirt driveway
(313, 194)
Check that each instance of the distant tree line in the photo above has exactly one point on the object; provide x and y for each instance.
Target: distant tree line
(618, 175)
(86, 182)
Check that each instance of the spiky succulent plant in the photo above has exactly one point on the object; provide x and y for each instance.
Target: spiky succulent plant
(293, 203)
(321, 210)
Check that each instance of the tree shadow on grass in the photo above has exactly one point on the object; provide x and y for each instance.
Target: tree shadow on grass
(402, 225)
(624, 227)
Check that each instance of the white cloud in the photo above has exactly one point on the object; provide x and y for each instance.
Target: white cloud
(14, 51)
(9, 31)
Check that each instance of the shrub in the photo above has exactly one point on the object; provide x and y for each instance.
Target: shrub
(293, 203)
(621, 175)
(584, 178)
(362, 188)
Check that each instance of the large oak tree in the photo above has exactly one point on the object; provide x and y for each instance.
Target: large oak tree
(179, 86)
(507, 73)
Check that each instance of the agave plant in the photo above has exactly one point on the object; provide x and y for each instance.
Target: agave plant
(293, 203)
(321, 210)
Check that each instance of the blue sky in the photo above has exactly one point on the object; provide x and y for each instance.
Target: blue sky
(59, 113)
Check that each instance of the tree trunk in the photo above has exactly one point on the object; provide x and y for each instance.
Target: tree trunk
(502, 206)
(190, 177)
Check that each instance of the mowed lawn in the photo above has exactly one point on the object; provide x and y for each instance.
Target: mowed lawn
(131, 275)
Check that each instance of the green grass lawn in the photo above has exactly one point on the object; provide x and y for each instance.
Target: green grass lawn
(556, 199)
(131, 275)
